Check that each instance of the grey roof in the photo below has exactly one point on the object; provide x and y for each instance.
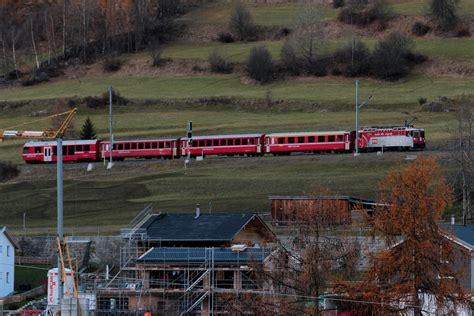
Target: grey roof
(198, 255)
(3, 229)
(463, 233)
(307, 133)
(225, 136)
(186, 227)
(65, 142)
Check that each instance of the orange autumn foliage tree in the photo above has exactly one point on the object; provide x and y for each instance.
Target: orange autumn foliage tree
(417, 261)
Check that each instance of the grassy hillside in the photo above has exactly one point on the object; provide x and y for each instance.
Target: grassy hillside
(111, 198)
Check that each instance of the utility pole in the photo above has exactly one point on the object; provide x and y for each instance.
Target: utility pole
(59, 166)
(357, 120)
(111, 136)
(358, 106)
(189, 137)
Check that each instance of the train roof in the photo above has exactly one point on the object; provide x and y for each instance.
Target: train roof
(306, 133)
(65, 142)
(140, 140)
(226, 136)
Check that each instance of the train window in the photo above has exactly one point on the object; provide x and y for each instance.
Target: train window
(79, 148)
(64, 150)
(216, 142)
(230, 142)
(140, 145)
(245, 141)
(223, 142)
(120, 146)
(147, 145)
(310, 139)
(87, 148)
(339, 138)
(37, 150)
(26, 150)
(300, 140)
(167, 144)
(154, 145)
(195, 143)
(331, 138)
(281, 140)
(320, 139)
(55, 151)
(201, 143)
(251, 141)
(127, 147)
(237, 141)
(208, 142)
(70, 150)
(134, 146)
(291, 140)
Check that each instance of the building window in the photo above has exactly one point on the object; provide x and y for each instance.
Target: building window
(1, 249)
(1, 276)
(7, 277)
(8, 251)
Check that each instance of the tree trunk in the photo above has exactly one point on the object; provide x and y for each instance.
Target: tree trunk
(5, 62)
(53, 36)
(48, 36)
(34, 44)
(84, 32)
(64, 28)
(14, 53)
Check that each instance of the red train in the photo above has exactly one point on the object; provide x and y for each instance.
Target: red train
(373, 138)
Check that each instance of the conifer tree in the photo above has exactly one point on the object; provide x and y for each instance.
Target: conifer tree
(88, 130)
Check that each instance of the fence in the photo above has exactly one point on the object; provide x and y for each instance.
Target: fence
(37, 291)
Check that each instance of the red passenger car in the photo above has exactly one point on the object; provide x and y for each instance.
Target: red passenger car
(286, 143)
(243, 144)
(73, 150)
(150, 148)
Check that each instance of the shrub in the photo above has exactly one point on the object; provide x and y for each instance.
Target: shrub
(8, 171)
(241, 22)
(156, 57)
(260, 65)
(103, 100)
(420, 29)
(338, 3)
(225, 37)
(112, 64)
(365, 12)
(444, 13)
(415, 58)
(354, 59)
(389, 58)
(289, 59)
(219, 63)
(463, 31)
(422, 100)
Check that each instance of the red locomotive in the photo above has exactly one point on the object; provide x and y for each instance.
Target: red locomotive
(373, 138)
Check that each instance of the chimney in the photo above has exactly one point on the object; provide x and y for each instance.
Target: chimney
(198, 211)
(453, 220)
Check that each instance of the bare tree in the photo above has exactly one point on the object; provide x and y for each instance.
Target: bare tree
(463, 154)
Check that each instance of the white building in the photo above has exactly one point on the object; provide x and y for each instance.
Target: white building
(7, 262)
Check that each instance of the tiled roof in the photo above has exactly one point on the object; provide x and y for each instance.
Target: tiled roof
(198, 255)
(186, 227)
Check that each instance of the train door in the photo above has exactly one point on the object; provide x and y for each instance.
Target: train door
(175, 148)
(259, 146)
(347, 143)
(267, 140)
(47, 157)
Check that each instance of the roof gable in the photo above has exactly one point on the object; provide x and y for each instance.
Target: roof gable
(3, 230)
(464, 234)
(188, 227)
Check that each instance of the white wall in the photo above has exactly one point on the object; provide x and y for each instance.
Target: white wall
(7, 265)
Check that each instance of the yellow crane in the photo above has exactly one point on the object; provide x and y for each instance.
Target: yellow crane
(8, 133)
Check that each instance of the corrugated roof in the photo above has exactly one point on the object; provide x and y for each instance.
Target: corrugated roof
(225, 136)
(186, 227)
(197, 255)
(65, 142)
(306, 133)
(464, 233)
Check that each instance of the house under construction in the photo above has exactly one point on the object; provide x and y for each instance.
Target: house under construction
(187, 264)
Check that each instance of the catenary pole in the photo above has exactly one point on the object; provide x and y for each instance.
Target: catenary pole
(59, 167)
(357, 119)
(111, 136)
